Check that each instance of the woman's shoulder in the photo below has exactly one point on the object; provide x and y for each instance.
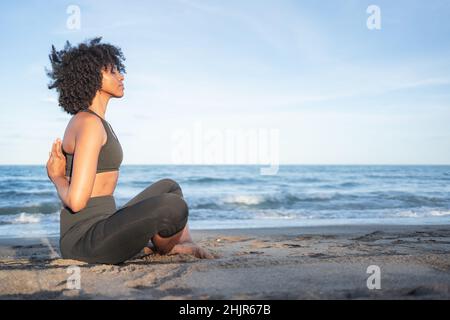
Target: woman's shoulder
(81, 122)
(84, 120)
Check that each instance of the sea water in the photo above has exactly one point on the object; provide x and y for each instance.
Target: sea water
(238, 196)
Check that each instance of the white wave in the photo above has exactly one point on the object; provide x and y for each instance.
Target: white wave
(26, 225)
(26, 218)
(275, 215)
(407, 214)
(437, 213)
(244, 199)
(423, 213)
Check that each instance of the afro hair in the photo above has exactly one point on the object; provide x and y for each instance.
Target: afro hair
(76, 71)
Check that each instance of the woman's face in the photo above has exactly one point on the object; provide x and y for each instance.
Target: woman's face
(112, 82)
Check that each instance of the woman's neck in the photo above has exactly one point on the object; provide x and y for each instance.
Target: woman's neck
(99, 103)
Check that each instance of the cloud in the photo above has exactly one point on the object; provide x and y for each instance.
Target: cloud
(277, 95)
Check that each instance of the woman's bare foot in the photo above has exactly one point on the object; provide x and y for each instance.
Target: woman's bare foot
(149, 250)
(191, 248)
(187, 247)
(183, 244)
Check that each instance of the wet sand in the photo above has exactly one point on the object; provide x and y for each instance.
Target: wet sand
(270, 263)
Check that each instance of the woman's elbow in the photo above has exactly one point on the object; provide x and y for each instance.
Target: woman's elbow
(76, 205)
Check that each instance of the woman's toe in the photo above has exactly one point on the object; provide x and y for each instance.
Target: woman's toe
(148, 250)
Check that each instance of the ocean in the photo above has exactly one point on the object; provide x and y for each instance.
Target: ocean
(238, 196)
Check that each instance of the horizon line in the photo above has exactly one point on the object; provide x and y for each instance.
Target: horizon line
(259, 164)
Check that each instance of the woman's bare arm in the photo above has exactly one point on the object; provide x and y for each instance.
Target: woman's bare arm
(56, 168)
(62, 186)
(88, 142)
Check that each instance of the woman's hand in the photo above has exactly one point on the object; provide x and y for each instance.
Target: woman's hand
(56, 164)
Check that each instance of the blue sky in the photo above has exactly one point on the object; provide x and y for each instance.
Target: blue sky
(338, 92)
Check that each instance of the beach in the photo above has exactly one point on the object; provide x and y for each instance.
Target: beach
(316, 262)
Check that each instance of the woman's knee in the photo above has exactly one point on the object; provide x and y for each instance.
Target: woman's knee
(172, 186)
(176, 217)
(169, 181)
(176, 204)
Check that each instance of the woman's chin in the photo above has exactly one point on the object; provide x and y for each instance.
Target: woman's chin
(119, 95)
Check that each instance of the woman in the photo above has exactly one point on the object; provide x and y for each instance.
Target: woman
(84, 168)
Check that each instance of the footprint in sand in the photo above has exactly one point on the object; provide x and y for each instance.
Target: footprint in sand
(248, 252)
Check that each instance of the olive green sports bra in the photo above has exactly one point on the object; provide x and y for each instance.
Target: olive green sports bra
(111, 154)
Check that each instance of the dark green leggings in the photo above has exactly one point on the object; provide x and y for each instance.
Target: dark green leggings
(101, 233)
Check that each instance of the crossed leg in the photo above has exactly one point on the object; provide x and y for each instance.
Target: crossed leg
(180, 242)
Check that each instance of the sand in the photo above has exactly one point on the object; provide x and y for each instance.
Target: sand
(269, 263)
